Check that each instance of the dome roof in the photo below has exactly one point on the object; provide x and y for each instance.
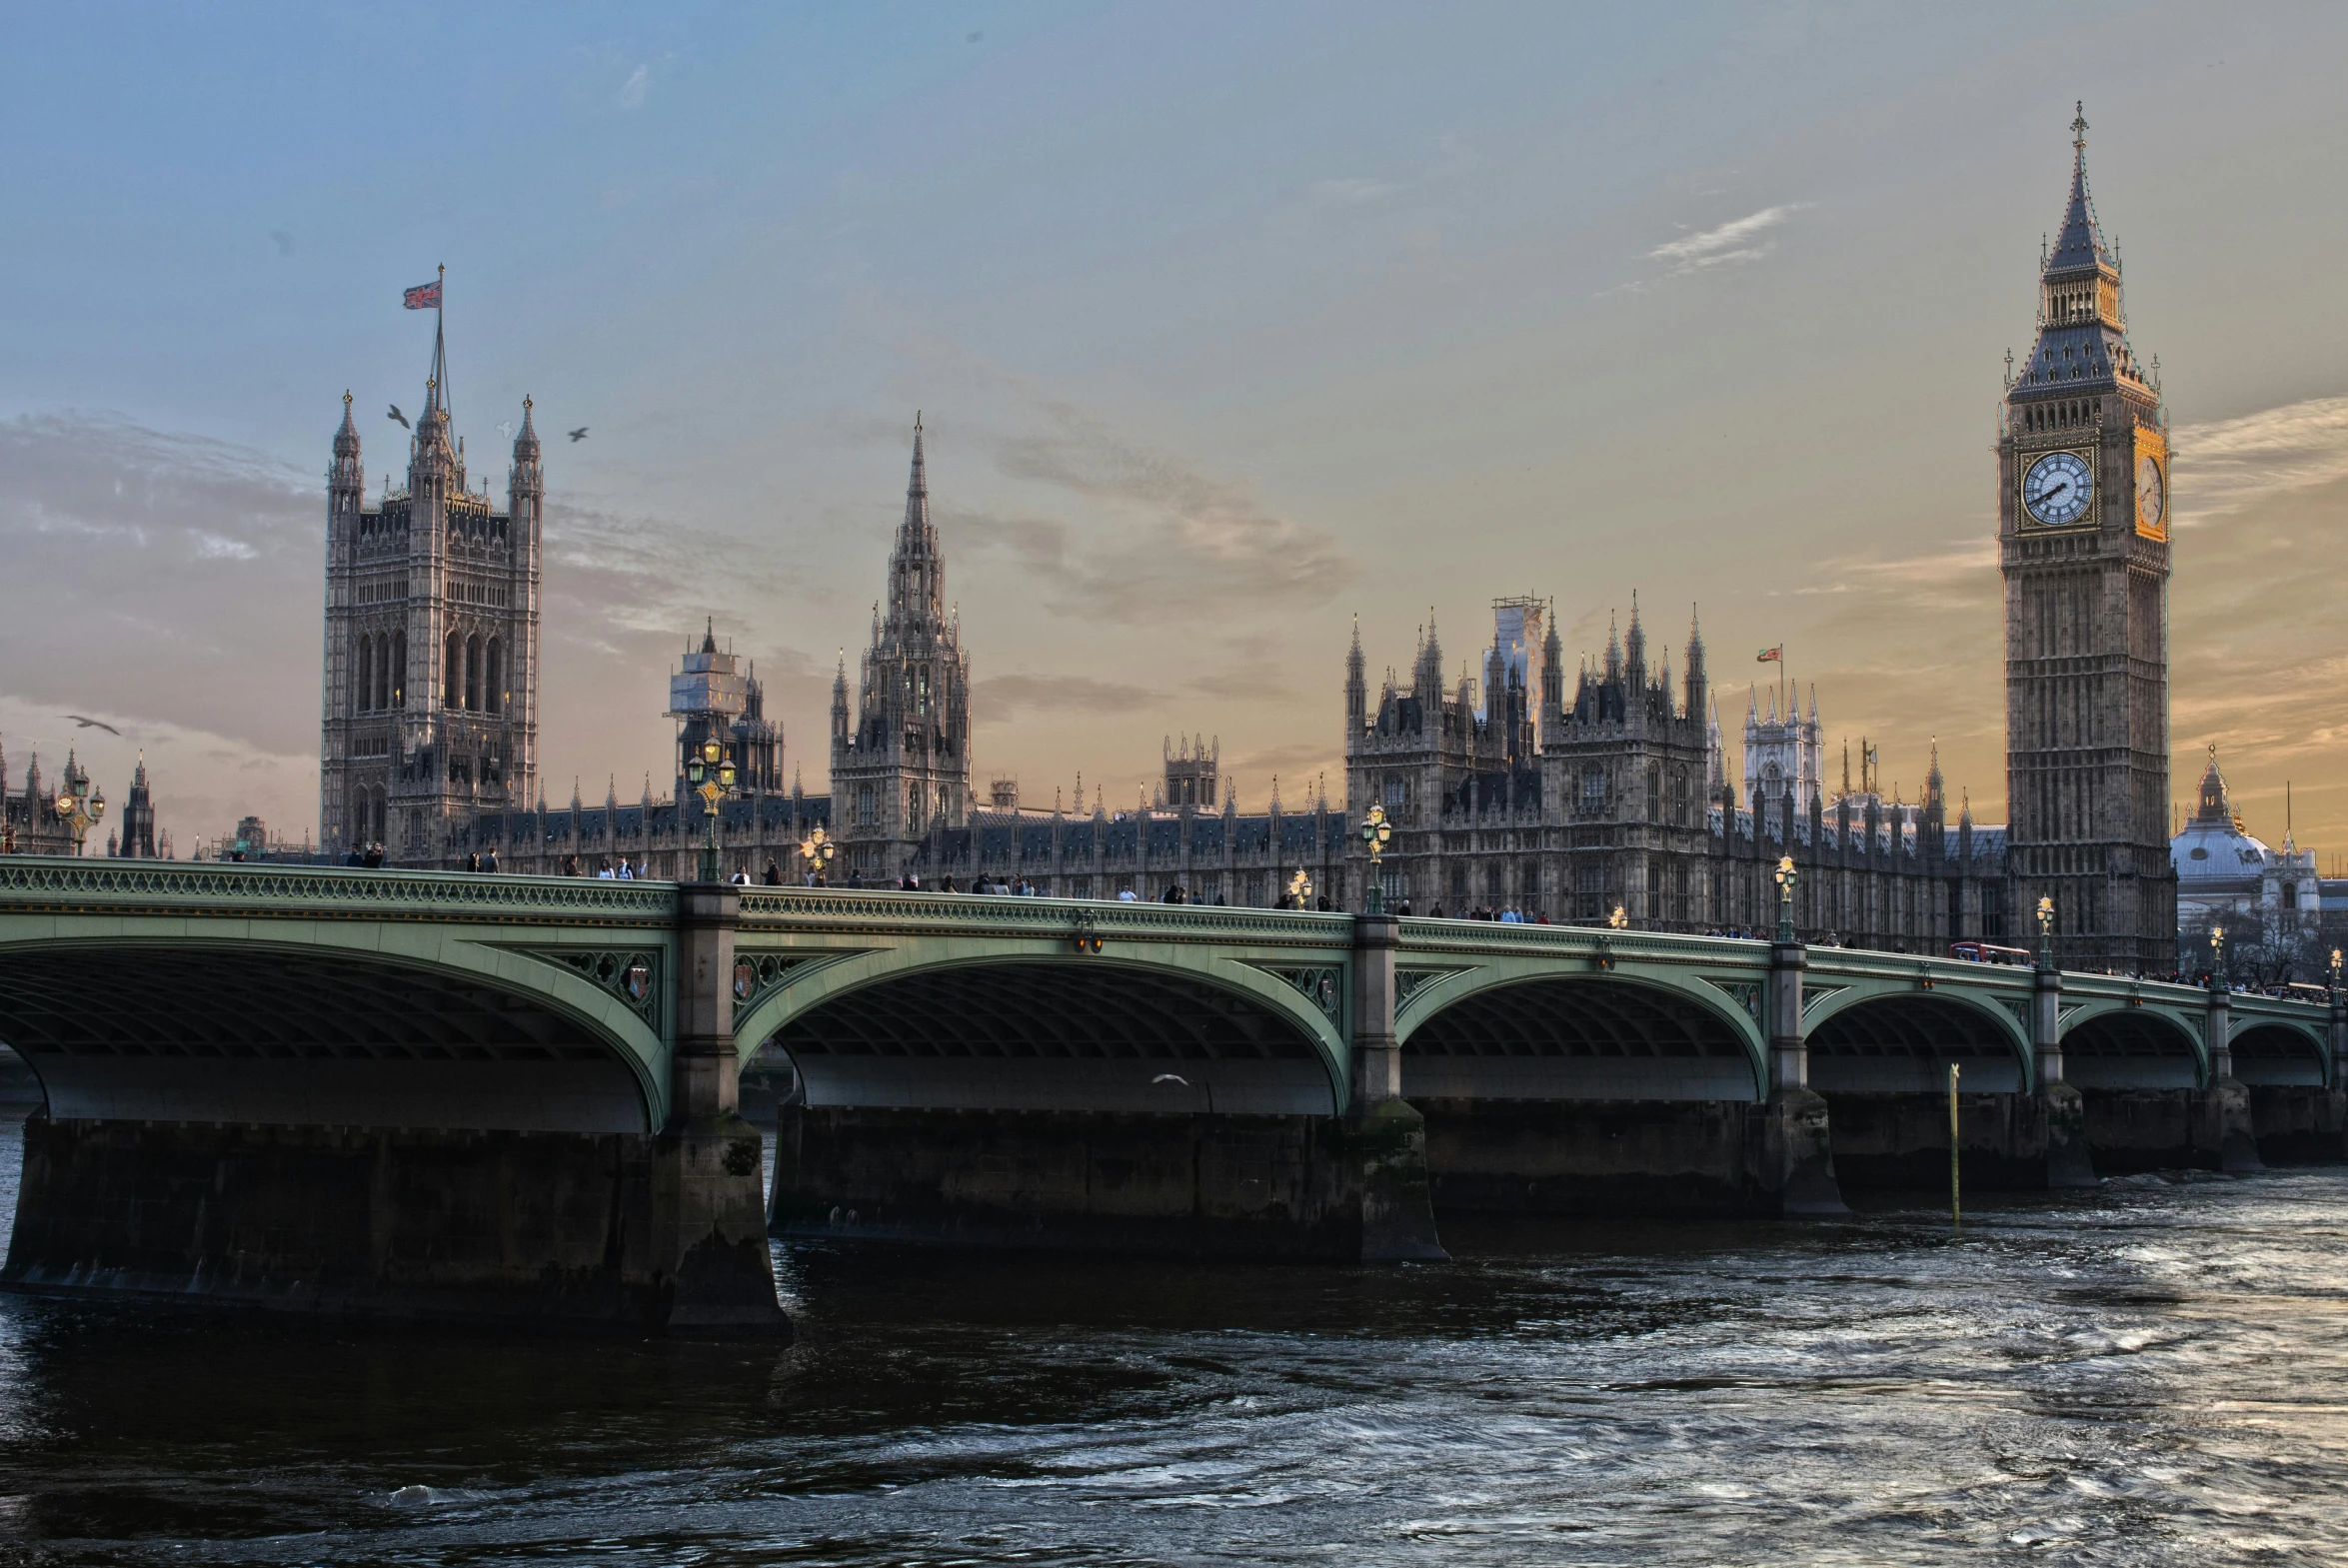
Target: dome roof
(2213, 846)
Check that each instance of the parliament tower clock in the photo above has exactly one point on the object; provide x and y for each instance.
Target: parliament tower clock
(2083, 545)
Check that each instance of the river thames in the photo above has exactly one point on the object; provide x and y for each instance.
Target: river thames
(2149, 1374)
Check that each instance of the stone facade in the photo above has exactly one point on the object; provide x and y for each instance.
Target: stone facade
(2083, 544)
(900, 756)
(432, 643)
(1618, 801)
(29, 823)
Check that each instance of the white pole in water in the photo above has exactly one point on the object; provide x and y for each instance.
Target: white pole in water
(1955, 1213)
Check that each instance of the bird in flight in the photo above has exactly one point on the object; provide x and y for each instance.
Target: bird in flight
(580, 434)
(92, 723)
(401, 417)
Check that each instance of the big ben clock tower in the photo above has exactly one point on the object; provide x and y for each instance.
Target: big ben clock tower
(2083, 544)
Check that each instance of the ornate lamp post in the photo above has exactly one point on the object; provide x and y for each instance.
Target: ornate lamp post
(1786, 876)
(2046, 932)
(2335, 972)
(80, 808)
(1300, 889)
(711, 777)
(816, 848)
(1619, 919)
(2217, 958)
(1376, 833)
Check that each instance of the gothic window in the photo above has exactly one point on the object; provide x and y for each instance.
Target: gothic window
(1394, 792)
(1459, 883)
(494, 677)
(364, 684)
(912, 808)
(473, 674)
(399, 669)
(864, 806)
(1654, 793)
(1594, 788)
(451, 687)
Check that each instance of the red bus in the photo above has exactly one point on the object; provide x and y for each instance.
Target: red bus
(1986, 952)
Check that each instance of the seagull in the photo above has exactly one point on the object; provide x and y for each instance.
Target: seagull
(506, 429)
(1170, 1077)
(580, 434)
(91, 723)
(401, 417)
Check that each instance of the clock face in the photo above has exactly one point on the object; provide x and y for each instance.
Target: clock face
(2151, 494)
(2058, 489)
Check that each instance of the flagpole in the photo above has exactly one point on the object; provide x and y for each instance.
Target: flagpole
(440, 323)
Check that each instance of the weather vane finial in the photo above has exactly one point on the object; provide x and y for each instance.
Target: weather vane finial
(2079, 127)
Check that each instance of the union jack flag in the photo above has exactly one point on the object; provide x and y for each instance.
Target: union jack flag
(423, 297)
(1773, 656)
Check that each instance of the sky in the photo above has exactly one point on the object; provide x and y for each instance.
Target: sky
(1227, 324)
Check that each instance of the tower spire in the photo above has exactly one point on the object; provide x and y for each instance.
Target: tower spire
(436, 391)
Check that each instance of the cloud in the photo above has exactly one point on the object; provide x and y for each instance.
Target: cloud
(630, 94)
(1000, 698)
(1354, 192)
(1161, 543)
(2233, 464)
(1731, 244)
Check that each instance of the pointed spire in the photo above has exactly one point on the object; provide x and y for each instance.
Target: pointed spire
(708, 636)
(346, 438)
(526, 439)
(436, 389)
(2079, 244)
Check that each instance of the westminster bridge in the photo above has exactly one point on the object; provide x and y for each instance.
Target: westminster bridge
(435, 1094)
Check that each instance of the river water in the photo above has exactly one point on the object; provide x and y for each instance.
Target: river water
(2150, 1373)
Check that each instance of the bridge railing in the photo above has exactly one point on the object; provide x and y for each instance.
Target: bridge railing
(1018, 914)
(65, 882)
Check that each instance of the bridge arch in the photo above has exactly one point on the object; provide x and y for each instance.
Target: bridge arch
(2112, 1044)
(1025, 1029)
(1506, 1033)
(349, 1025)
(2271, 1052)
(1882, 1040)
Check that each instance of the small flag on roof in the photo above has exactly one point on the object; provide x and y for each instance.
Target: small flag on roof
(423, 297)
(1772, 656)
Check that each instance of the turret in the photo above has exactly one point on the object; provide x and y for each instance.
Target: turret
(1634, 669)
(1356, 689)
(840, 705)
(1698, 682)
(347, 480)
(1552, 683)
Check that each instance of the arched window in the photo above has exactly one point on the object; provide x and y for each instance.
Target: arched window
(452, 672)
(399, 670)
(473, 674)
(493, 682)
(363, 677)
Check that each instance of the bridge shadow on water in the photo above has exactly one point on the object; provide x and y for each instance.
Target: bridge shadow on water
(2141, 1373)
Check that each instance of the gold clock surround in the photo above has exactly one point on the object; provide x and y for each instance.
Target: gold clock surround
(2152, 446)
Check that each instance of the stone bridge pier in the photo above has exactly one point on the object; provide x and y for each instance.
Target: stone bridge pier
(1115, 1078)
(405, 1096)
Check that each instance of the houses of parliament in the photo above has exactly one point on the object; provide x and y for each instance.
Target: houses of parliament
(1603, 792)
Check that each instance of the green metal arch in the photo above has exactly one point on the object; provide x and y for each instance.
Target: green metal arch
(2188, 1024)
(395, 946)
(2316, 1041)
(1857, 992)
(850, 972)
(1435, 997)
